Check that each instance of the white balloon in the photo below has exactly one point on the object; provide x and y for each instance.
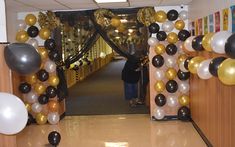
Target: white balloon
(170, 61)
(168, 26)
(36, 107)
(50, 66)
(152, 41)
(203, 70)
(53, 118)
(33, 42)
(159, 75)
(13, 114)
(172, 100)
(183, 87)
(218, 41)
(183, 15)
(188, 44)
(31, 97)
(21, 25)
(159, 113)
(182, 68)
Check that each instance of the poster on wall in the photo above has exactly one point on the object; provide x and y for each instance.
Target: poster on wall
(200, 26)
(225, 19)
(205, 22)
(211, 23)
(217, 21)
(193, 28)
(233, 18)
(196, 27)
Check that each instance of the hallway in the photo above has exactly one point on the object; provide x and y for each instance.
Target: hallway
(101, 94)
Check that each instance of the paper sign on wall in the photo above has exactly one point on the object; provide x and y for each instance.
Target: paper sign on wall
(217, 21)
(225, 19)
(205, 22)
(3, 28)
(233, 18)
(200, 26)
(211, 23)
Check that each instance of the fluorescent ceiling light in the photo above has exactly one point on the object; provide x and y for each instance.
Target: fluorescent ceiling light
(110, 1)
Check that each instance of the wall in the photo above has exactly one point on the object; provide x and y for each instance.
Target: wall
(212, 103)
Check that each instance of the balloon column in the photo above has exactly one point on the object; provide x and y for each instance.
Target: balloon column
(171, 78)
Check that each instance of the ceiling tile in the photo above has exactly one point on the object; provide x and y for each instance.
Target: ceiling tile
(114, 5)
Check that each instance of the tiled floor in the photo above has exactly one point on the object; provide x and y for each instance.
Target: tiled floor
(113, 131)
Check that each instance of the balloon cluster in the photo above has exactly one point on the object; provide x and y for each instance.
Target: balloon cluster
(171, 81)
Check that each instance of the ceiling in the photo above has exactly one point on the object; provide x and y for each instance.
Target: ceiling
(40, 5)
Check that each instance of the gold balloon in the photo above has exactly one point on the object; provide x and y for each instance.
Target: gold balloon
(171, 73)
(160, 16)
(44, 33)
(53, 80)
(115, 22)
(28, 106)
(206, 41)
(53, 106)
(226, 72)
(184, 100)
(31, 79)
(172, 37)
(43, 53)
(121, 28)
(181, 58)
(194, 64)
(22, 36)
(41, 119)
(159, 49)
(30, 19)
(179, 24)
(159, 86)
(39, 88)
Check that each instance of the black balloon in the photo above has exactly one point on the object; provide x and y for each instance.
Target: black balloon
(184, 114)
(50, 44)
(171, 86)
(197, 43)
(51, 91)
(172, 15)
(230, 46)
(183, 35)
(186, 62)
(33, 31)
(54, 56)
(25, 87)
(43, 99)
(158, 61)
(154, 28)
(161, 36)
(22, 58)
(54, 138)
(183, 75)
(214, 65)
(171, 49)
(30, 119)
(160, 100)
(42, 75)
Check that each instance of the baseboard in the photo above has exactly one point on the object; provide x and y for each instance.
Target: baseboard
(166, 118)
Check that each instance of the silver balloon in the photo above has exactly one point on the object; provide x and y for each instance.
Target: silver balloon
(21, 25)
(33, 42)
(183, 87)
(182, 68)
(53, 118)
(218, 41)
(36, 107)
(31, 97)
(152, 41)
(183, 15)
(50, 66)
(203, 70)
(188, 44)
(159, 113)
(170, 61)
(172, 100)
(168, 26)
(159, 75)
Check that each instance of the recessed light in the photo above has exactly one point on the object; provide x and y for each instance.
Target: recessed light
(110, 1)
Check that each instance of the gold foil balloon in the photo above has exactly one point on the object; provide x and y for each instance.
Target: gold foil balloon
(226, 72)
(206, 41)
(43, 53)
(170, 73)
(22, 36)
(44, 33)
(30, 19)
(160, 16)
(181, 58)
(115, 22)
(159, 86)
(121, 28)
(39, 88)
(183, 100)
(53, 106)
(172, 37)
(53, 80)
(194, 64)
(31, 79)
(28, 106)
(41, 119)
(159, 49)
(179, 24)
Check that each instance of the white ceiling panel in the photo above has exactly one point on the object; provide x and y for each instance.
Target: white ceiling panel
(114, 5)
(12, 5)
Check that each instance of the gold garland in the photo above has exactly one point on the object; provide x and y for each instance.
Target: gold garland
(146, 15)
(48, 20)
(101, 17)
